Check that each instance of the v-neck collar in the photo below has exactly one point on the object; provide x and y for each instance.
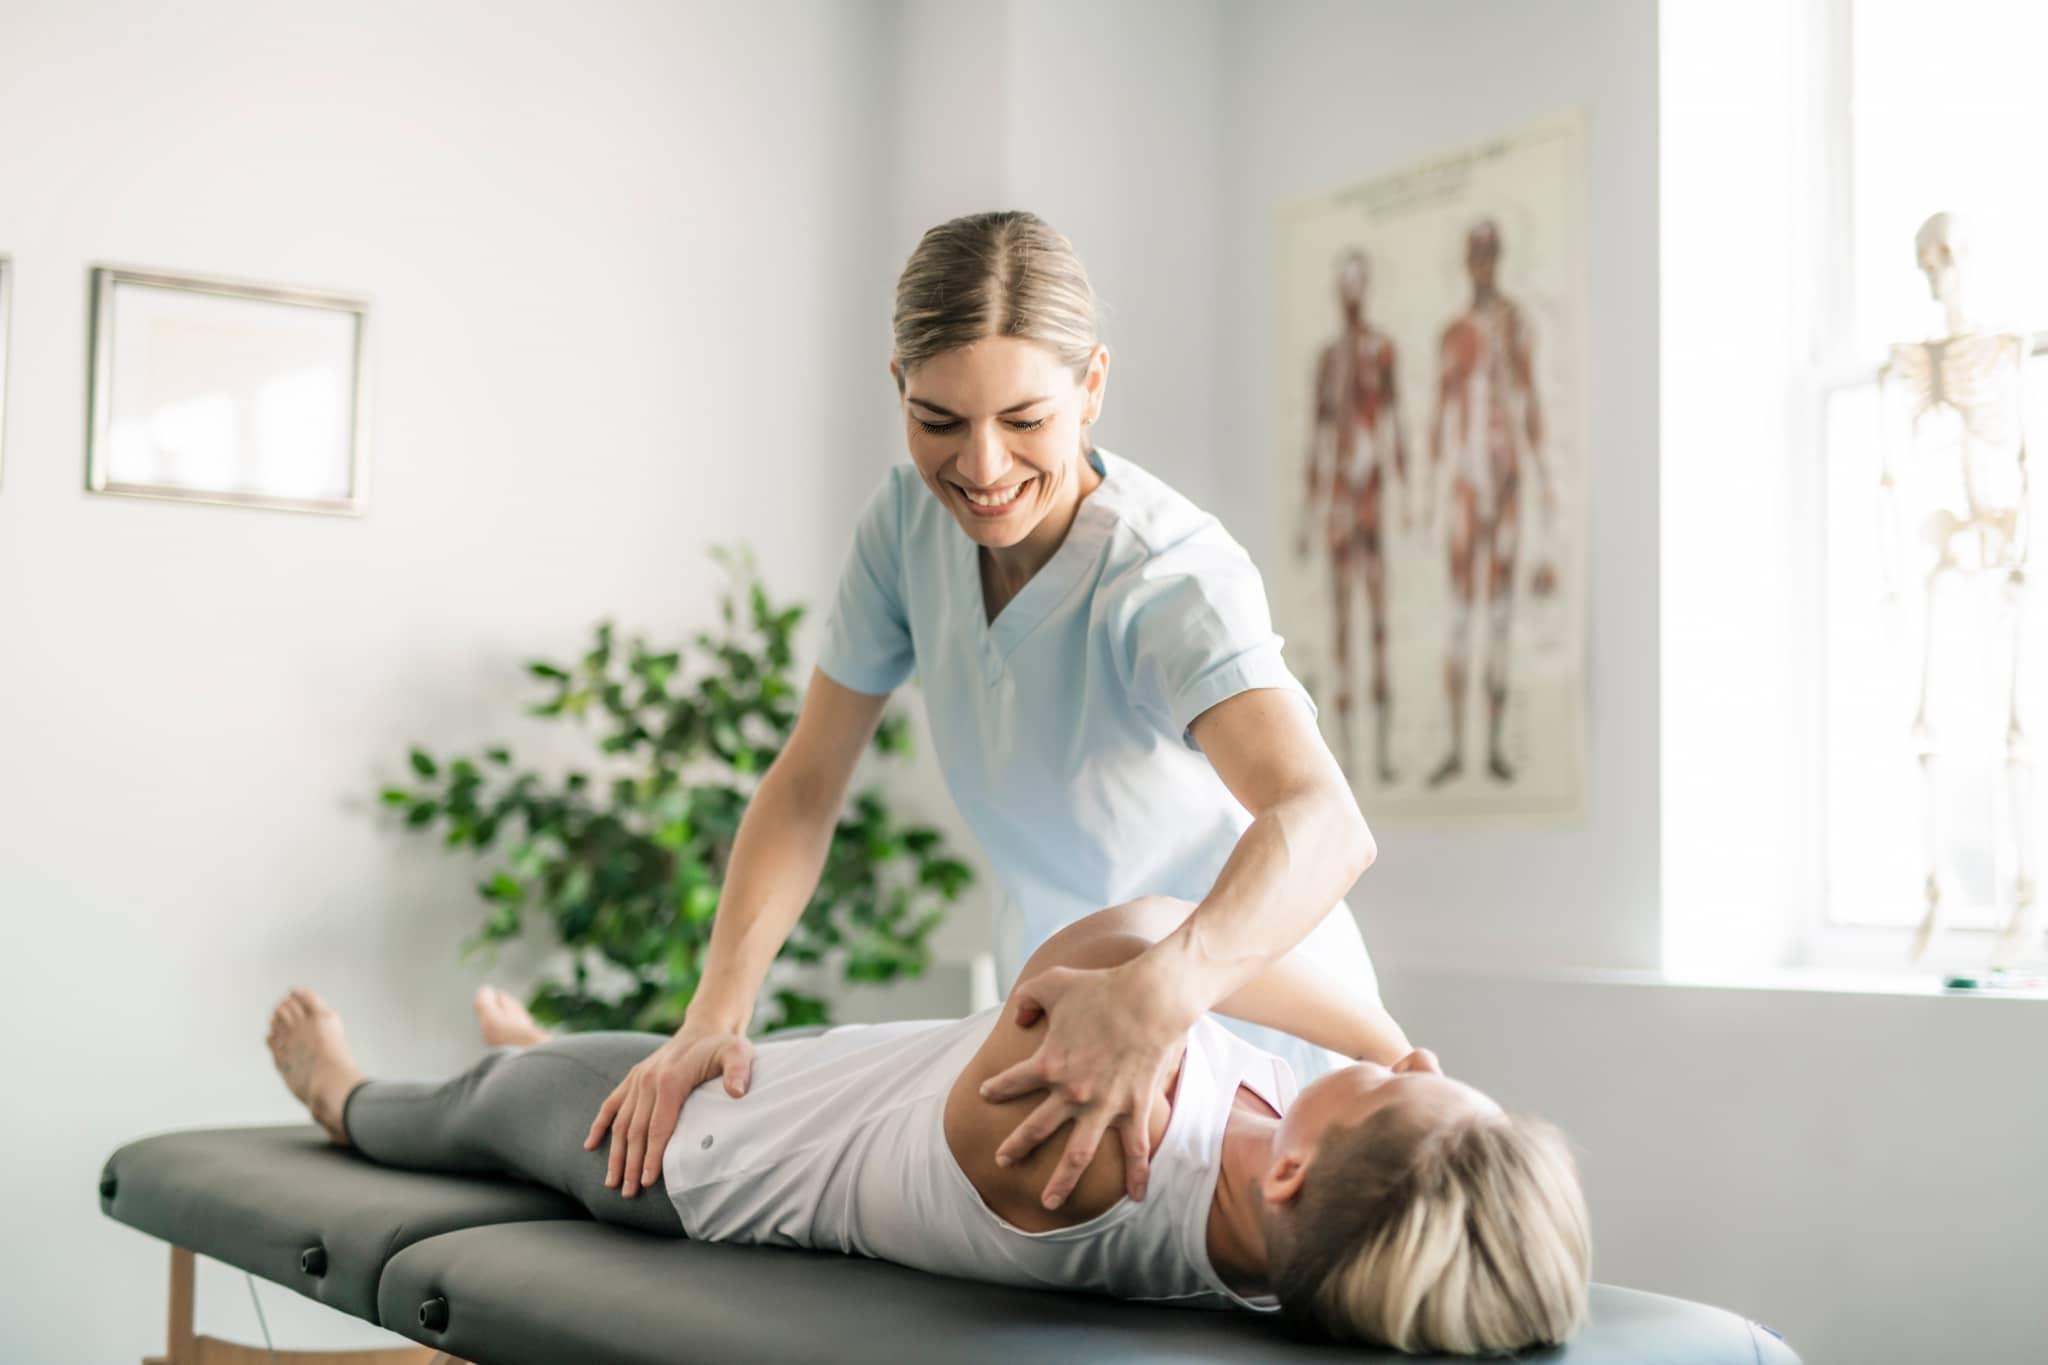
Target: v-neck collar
(1048, 587)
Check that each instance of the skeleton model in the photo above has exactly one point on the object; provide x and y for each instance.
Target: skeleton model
(1966, 462)
(1488, 424)
(1357, 428)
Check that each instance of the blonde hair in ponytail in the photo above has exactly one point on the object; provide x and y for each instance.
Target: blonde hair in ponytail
(994, 274)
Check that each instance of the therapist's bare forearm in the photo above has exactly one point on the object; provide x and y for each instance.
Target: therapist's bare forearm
(1290, 866)
(776, 858)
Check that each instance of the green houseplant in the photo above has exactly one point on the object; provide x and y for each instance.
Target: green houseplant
(626, 865)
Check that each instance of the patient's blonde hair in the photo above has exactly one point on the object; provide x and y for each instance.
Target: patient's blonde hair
(1466, 1236)
(994, 274)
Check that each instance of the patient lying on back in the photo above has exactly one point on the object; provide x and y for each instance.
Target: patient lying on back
(1385, 1202)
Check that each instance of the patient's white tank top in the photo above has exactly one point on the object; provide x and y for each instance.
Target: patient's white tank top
(840, 1144)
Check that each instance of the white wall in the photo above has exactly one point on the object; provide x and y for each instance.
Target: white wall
(1736, 602)
(624, 262)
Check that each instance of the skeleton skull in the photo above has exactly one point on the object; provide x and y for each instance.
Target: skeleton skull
(1941, 246)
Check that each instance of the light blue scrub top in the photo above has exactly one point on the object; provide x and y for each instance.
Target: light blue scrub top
(1062, 726)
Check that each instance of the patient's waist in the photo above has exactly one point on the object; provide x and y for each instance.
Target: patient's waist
(779, 1164)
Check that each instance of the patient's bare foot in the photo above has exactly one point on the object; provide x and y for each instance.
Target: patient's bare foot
(504, 1021)
(313, 1058)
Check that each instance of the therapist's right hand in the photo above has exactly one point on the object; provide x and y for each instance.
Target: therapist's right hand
(642, 1112)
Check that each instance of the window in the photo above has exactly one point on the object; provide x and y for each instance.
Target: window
(1802, 147)
(1923, 108)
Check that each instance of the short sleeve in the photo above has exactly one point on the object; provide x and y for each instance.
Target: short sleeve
(1195, 630)
(867, 639)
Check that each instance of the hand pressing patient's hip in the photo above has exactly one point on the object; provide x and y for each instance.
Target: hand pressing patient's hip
(643, 1110)
(1110, 1043)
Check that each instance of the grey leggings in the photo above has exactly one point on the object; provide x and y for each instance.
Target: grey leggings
(520, 1112)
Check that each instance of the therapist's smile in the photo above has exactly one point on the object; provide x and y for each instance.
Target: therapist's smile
(994, 502)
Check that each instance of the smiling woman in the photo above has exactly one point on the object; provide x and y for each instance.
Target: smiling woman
(1001, 375)
(1107, 699)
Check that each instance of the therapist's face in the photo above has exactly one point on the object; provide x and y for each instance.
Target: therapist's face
(995, 428)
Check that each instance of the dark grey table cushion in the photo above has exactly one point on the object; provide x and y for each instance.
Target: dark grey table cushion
(544, 1293)
(262, 1198)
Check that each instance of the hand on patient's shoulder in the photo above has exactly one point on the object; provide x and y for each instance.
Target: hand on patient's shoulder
(1015, 1191)
(1007, 1109)
(1108, 1043)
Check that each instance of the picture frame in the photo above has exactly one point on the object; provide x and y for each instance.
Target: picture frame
(214, 390)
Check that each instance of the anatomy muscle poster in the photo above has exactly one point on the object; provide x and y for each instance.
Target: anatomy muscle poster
(1429, 466)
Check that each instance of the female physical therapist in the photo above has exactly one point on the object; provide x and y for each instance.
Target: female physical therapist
(1106, 697)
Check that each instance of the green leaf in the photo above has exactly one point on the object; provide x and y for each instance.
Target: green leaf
(600, 657)
(892, 735)
(547, 671)
(396, 796)
(423, 814)
(797, 1010)
(700, 903)
(423, 765)
(949, 875)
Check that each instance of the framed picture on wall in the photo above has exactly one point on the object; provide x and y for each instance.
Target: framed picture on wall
(1458, 282)
(223, 391)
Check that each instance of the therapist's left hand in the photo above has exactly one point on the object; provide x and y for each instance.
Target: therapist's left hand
(1111, 1038)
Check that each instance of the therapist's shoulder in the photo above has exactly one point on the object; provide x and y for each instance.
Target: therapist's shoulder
(1153, 517)
(1162, 540)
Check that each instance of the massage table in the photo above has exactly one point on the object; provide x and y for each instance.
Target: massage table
(499, 1272)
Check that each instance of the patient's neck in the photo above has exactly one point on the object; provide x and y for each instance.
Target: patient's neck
(1237, 1236)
